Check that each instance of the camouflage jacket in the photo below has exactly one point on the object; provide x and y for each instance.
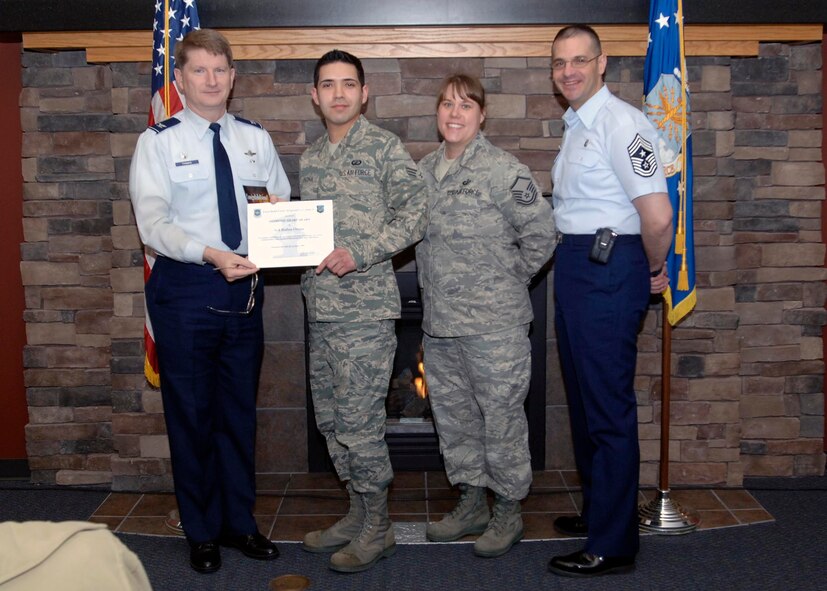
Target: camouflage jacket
(379, 209)
(490, 231)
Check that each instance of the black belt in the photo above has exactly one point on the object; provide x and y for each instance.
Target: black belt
(588, 239)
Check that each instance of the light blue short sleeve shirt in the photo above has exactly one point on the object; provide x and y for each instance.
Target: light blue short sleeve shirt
(172, 182)
(608, 158)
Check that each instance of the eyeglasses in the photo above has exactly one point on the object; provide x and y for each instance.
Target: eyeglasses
(578, 63)
(251, 302)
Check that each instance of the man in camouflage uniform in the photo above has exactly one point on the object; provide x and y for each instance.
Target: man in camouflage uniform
(352, 299)
(490, 232)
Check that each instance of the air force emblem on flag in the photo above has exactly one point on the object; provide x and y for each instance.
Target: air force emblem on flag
(642, 156)
(523, 191)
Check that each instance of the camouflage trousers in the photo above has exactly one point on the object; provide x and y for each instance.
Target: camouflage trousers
(350, 367)
(477, 386)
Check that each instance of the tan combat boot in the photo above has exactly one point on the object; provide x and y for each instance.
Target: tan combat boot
(504, 530)
(375, 540)
(470, 516)
(339, 534)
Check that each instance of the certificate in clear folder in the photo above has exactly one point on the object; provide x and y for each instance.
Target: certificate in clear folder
(289, 233)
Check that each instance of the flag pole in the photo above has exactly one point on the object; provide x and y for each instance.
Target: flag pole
(663, 515)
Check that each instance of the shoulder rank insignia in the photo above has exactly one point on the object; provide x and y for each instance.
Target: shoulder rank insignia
(165, 124)
(523, 191)
(642, 156)
(248, 122)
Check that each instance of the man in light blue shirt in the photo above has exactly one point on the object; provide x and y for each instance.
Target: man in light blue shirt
(612, 208)
(188, 182)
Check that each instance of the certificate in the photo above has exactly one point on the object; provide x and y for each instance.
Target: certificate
(290, 233)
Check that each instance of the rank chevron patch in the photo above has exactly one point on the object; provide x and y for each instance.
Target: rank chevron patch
(642, 156)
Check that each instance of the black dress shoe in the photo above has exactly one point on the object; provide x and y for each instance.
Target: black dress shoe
(252, 545)
(583, 564)
(205, 557)
(571, 525)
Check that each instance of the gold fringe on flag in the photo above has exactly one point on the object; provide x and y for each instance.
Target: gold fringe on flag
(150, 374)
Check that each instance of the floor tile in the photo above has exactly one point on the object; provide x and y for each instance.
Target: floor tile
(144, 525)
(546, 501)
(118, 504)
(540, 526)
(314, 481)
(112, 522)
(571, 478)
(407, 480)
(437, 480)
(265, 524)
(315, 505)
(548, 479)
(292, 528)
(713, 519)
(155, 505)
(267, 504)
(272, 482)
(696, 499)
(749, 516)
(737, 499)
(418, 506)
(290, 505)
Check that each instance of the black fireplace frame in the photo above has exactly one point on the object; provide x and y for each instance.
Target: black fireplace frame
(415, 448)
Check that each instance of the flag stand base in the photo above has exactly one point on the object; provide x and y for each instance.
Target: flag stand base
(666, 517)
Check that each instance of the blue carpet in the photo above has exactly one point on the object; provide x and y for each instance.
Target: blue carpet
(790, 554)
(22, 501)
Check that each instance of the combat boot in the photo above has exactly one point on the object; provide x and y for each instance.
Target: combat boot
(375, 539)
(470, 516)
(339, 534)
(504, 530)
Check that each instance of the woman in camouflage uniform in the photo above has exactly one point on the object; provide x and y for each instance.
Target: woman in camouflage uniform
(490, 232)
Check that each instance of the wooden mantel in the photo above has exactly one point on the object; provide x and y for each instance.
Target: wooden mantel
(418, 42)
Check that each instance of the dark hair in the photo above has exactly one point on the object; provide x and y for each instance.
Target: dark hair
(574, 30)
(336, 55)
(208, 39)
(464, 86)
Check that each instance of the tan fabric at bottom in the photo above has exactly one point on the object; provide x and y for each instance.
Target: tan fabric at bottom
(70, 556)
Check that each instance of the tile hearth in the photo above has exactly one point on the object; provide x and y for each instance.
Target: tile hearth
(290, 505)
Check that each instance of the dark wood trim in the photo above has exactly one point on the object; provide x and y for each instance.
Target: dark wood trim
(94, 15)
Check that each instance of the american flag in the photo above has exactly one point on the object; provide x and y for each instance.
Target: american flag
(173, 20)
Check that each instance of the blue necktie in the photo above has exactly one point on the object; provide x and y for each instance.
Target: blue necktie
(227, 207)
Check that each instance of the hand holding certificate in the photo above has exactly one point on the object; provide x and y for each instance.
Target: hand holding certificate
(290, 233)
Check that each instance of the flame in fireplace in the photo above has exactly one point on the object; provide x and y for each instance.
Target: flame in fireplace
(419, 381)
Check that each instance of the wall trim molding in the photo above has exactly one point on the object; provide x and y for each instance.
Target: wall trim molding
(425, 42)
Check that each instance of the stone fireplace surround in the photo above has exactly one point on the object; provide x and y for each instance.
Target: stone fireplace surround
(747, 386)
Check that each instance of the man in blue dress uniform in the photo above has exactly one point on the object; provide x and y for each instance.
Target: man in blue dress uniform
(187, 183)
(614, 214)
